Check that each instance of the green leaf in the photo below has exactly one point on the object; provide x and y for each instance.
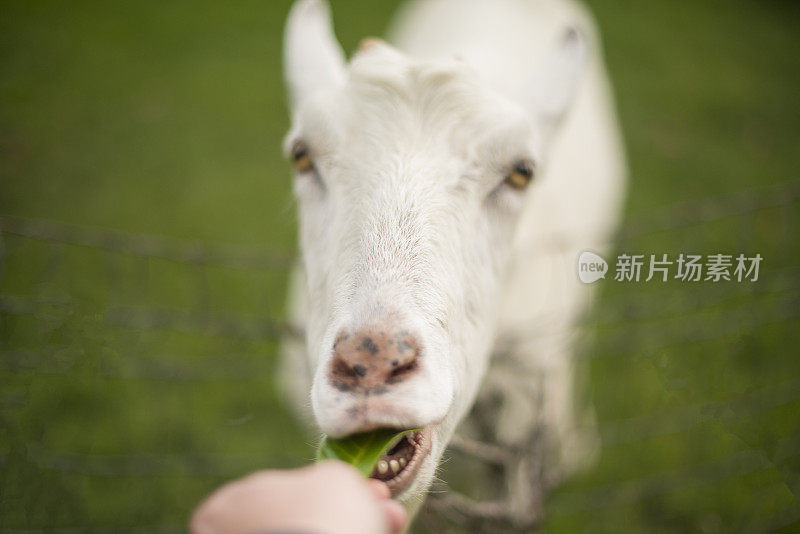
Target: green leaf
(362, 451)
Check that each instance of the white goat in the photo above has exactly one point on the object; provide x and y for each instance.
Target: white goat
(424, 245)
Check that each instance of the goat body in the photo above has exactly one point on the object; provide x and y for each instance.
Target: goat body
(411, 232)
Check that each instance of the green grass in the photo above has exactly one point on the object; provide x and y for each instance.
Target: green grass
(167, 120)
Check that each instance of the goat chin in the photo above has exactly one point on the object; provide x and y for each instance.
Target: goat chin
(383, 230)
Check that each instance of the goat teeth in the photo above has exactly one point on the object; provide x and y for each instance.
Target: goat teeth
(402, 462)
(395, 466)
(383, 467)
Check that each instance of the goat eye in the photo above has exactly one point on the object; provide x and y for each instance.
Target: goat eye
(301, 158)
(521, 175)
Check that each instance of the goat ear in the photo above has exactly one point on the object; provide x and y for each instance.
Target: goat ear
(556, 83)
(312, 58)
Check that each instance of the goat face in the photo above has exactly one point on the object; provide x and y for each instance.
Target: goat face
(409, 178)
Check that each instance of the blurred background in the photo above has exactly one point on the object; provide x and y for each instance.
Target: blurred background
(147, 225)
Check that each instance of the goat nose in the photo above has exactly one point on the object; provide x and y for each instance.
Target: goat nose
(372, 359)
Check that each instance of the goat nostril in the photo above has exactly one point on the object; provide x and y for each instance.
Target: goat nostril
(340, 369)
(359, 369)
(399, 372)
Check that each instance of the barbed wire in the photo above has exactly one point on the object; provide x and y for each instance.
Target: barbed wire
(708, 298)
(671, 217)
(681, 215)
(709, 312)
(740, 463)
(711, 209)
(726, 321)
(671, 422)
(148, 246)
(148, 465)
(613, 432)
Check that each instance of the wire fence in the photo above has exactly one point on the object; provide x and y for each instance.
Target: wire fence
(631, 326)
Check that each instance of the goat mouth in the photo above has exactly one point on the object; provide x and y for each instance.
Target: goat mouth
(398, 467)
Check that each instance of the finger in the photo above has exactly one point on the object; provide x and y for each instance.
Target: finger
(379, 489)
(396, 515)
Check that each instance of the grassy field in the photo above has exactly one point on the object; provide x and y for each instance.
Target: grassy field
(133, 382)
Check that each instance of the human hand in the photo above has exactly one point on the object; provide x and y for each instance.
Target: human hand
(326, 498)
